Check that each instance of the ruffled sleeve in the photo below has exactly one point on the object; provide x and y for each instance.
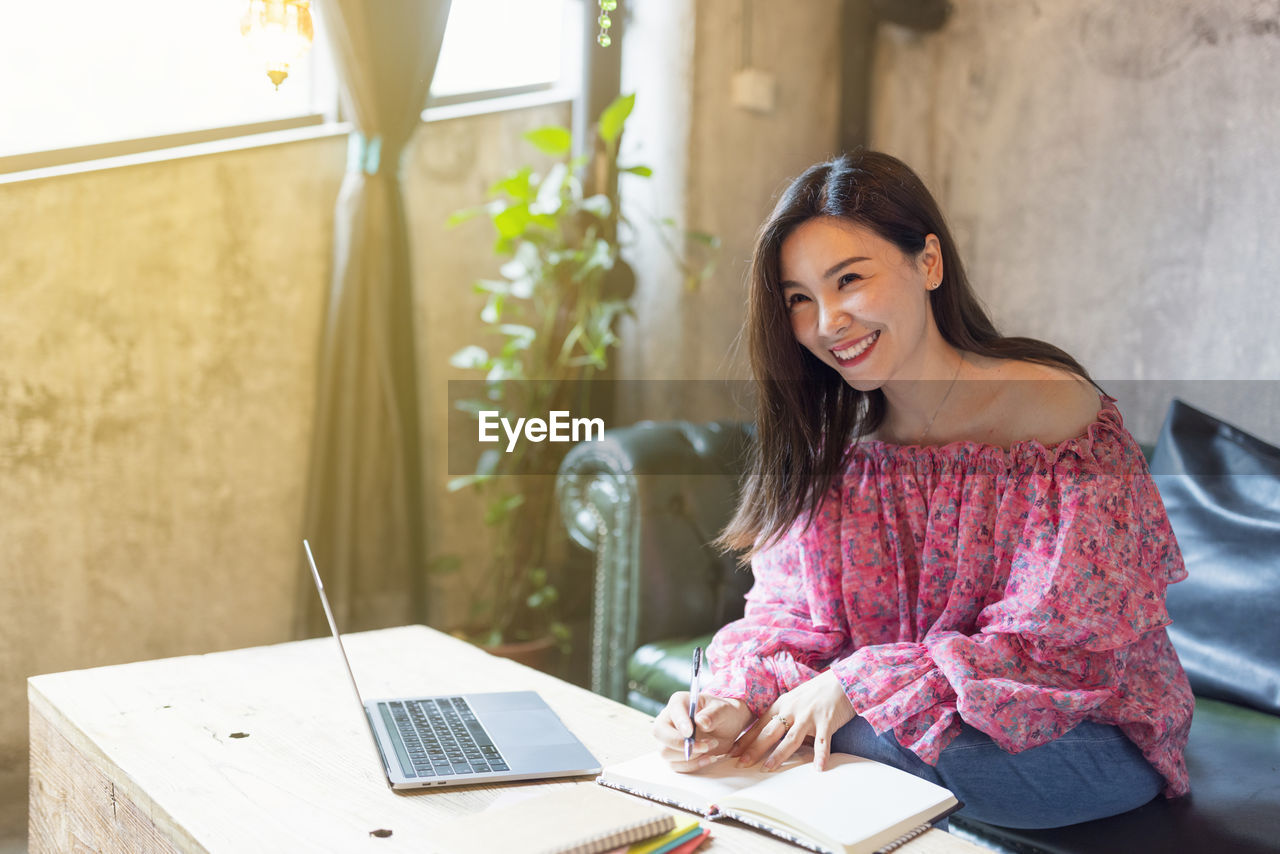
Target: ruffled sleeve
(1084, 551)
(793, 624)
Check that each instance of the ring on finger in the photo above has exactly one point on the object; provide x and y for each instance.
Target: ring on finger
(784, 720)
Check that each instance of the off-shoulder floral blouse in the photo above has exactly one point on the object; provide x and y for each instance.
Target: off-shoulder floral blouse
(1021, 591)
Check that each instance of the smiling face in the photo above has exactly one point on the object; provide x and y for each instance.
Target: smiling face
(859, 303)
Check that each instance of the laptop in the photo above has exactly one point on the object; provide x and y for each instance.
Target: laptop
(464, 739)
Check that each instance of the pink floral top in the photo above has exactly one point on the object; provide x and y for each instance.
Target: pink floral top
(1021, 591)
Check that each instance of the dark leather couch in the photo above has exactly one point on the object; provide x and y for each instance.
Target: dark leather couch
(649, 497)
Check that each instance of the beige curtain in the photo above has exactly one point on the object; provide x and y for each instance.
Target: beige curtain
(363, 511)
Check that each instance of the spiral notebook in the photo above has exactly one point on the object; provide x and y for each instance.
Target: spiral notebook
(856, 806)
(577, 819)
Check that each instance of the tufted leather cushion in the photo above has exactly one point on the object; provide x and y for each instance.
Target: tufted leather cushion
(1221, 488)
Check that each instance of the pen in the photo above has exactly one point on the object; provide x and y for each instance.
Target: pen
(693, 701)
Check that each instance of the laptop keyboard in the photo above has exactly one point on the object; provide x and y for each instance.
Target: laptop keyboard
(441, 737)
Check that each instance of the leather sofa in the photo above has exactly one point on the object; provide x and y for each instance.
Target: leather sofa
(648, 498)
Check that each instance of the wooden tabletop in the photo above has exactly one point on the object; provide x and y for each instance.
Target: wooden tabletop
(266, 749)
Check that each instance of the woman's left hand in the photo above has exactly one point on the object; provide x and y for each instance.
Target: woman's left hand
(817, 708)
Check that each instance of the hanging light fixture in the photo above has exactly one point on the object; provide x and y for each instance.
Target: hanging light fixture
(279, 32)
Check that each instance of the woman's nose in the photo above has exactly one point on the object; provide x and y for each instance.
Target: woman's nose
(833, 319)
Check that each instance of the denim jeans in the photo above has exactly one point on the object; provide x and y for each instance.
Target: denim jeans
(1089, 772)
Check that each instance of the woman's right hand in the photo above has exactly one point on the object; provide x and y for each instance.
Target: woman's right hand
(720, 722)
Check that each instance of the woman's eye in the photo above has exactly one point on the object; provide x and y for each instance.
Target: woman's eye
(849, 278)
(795, 299)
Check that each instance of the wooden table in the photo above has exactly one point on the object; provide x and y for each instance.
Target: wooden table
(265, 749)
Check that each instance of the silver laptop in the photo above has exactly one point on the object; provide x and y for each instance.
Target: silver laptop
(462, 739)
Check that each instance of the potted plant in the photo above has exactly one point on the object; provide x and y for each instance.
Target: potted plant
(551, 320)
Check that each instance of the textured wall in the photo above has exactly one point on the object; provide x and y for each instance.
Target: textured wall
(159, 327)
(1110, 171)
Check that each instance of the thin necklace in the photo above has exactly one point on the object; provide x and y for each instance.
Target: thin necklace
(943, 401)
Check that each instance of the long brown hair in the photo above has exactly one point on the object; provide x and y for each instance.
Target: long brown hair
(806, 414)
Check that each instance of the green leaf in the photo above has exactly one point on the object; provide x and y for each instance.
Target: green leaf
(522, 288)
(615, 116)
(519, 332)
(501, 508)
(598, 204)
(597, 256)
(511, 221)
(518, 185)
(570, 341)
(542, 598)
(492, 311)
(488, 463)
(459, 217)
(591, 360)
(492, 286)
(642, 171)
(546, 220)
(550, 191)
(465, 481)
(470, 357)
(514, 269)
(560, 631)
(504, 370)
(553, 140)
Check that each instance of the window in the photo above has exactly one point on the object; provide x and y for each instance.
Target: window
(86, 79)
(503, 47)
(78, 74)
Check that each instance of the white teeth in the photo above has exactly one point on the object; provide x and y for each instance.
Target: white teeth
(854, 352)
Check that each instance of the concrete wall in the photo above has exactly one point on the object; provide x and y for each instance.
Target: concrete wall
(1107, 169)
(158, 329)
(1110, 171)
(158, 325)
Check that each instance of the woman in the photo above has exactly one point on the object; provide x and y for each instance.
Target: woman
(960, 558)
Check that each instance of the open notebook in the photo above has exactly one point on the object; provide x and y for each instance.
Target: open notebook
(856, 806)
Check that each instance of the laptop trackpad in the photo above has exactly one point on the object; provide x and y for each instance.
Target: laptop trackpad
(527, 728)
(530, 735)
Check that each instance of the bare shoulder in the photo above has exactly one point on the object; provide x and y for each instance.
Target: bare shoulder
(1049, 404)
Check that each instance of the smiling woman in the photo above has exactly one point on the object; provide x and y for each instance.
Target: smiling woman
(858, 248)
(960, 558)
(840, 313)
